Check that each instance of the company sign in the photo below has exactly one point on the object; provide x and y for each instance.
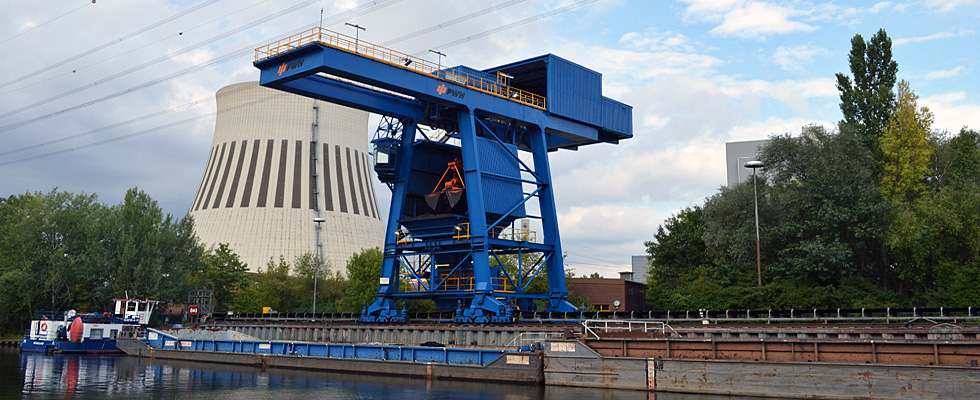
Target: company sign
(290, 66)
(444, 90)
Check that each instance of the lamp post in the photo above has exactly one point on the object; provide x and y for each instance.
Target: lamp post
(758, 255)
(316, 267)
(357, 33)
(441, 55)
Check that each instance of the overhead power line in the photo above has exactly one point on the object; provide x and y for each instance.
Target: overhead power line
(43, 23)
(130, 51)
(451, 22)
(506, 27)
(140, 133)
(111, 42)
(363, 9)
(160, 59)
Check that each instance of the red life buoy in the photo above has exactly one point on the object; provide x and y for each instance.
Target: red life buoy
(44, 326)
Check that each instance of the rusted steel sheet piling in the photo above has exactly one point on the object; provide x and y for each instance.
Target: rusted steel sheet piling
(573, 363)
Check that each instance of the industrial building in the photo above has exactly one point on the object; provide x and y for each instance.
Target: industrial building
(739, 153)
(277, 162)
(623, 294)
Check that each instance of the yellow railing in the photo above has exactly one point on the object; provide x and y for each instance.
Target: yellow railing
(506, 233)
(464, 284)
(401, 60)
(515, 234)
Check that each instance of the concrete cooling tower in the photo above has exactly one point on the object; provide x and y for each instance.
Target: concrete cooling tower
(279, 161)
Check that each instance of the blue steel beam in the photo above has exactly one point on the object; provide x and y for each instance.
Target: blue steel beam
(277, 72)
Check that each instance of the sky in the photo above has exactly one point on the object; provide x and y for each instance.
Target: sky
(103, 96)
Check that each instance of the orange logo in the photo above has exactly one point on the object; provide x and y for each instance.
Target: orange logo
(441, 89)
(282, 68)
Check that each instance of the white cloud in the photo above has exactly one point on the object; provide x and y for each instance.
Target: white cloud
(950, 115)
(756, 20)
(945, 6)
(949, 34)
(648, 55)
(946, 73)
(601, 238)
(797, 58)
(747, 19)
(796, 94)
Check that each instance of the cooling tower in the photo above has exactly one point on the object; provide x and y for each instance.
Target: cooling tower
(278, 161)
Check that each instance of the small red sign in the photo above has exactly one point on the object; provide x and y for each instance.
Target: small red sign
(192, 310)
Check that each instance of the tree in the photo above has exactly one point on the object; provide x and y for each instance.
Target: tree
(363, 275)
(146, 253)
(273, 287)
(825, 215)
(677, 251)
(330, 288)
(866, 102)
(48, 253)
(905, 148)
(223, 273)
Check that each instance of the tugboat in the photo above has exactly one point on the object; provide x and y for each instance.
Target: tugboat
(87, 333)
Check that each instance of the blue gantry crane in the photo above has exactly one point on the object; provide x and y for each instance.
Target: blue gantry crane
(465, 153)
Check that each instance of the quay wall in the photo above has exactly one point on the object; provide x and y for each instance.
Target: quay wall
(572, 363)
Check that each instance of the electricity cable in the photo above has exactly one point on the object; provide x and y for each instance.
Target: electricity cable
(140, 133)
(229, 56)
(158, 60)
(506, 27)
(185, 30)
(451, 22)
(111, 42)
(356, 11)
(42, 24)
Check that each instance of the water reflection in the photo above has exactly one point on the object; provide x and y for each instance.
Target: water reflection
(98, 377)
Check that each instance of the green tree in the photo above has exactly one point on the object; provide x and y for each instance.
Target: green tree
(677, 251)
(330, 287)
(223, 273)
(867, 101)
(146, 253)
(274, 287)
(363, 275)
(47, 252)
(825, 215)
(905, 148)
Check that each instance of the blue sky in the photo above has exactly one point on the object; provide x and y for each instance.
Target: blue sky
(698, 73)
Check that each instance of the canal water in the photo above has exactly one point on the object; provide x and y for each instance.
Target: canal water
(38, 376)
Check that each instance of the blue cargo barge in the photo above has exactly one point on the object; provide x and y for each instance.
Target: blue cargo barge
(501, 365)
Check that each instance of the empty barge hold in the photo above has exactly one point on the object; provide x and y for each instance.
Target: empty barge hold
(524, 367)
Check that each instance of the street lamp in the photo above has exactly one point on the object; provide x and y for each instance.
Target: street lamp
(758, 256)
(357, 33)
(441, 55)
(316, 267)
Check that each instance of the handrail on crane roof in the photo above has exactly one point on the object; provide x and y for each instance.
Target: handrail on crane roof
(398, 59)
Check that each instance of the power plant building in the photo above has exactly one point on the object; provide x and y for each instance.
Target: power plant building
(278, 163)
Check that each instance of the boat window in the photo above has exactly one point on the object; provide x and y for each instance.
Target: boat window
(131, 306)
(113, 333)
(95, 334)
(142, 306)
